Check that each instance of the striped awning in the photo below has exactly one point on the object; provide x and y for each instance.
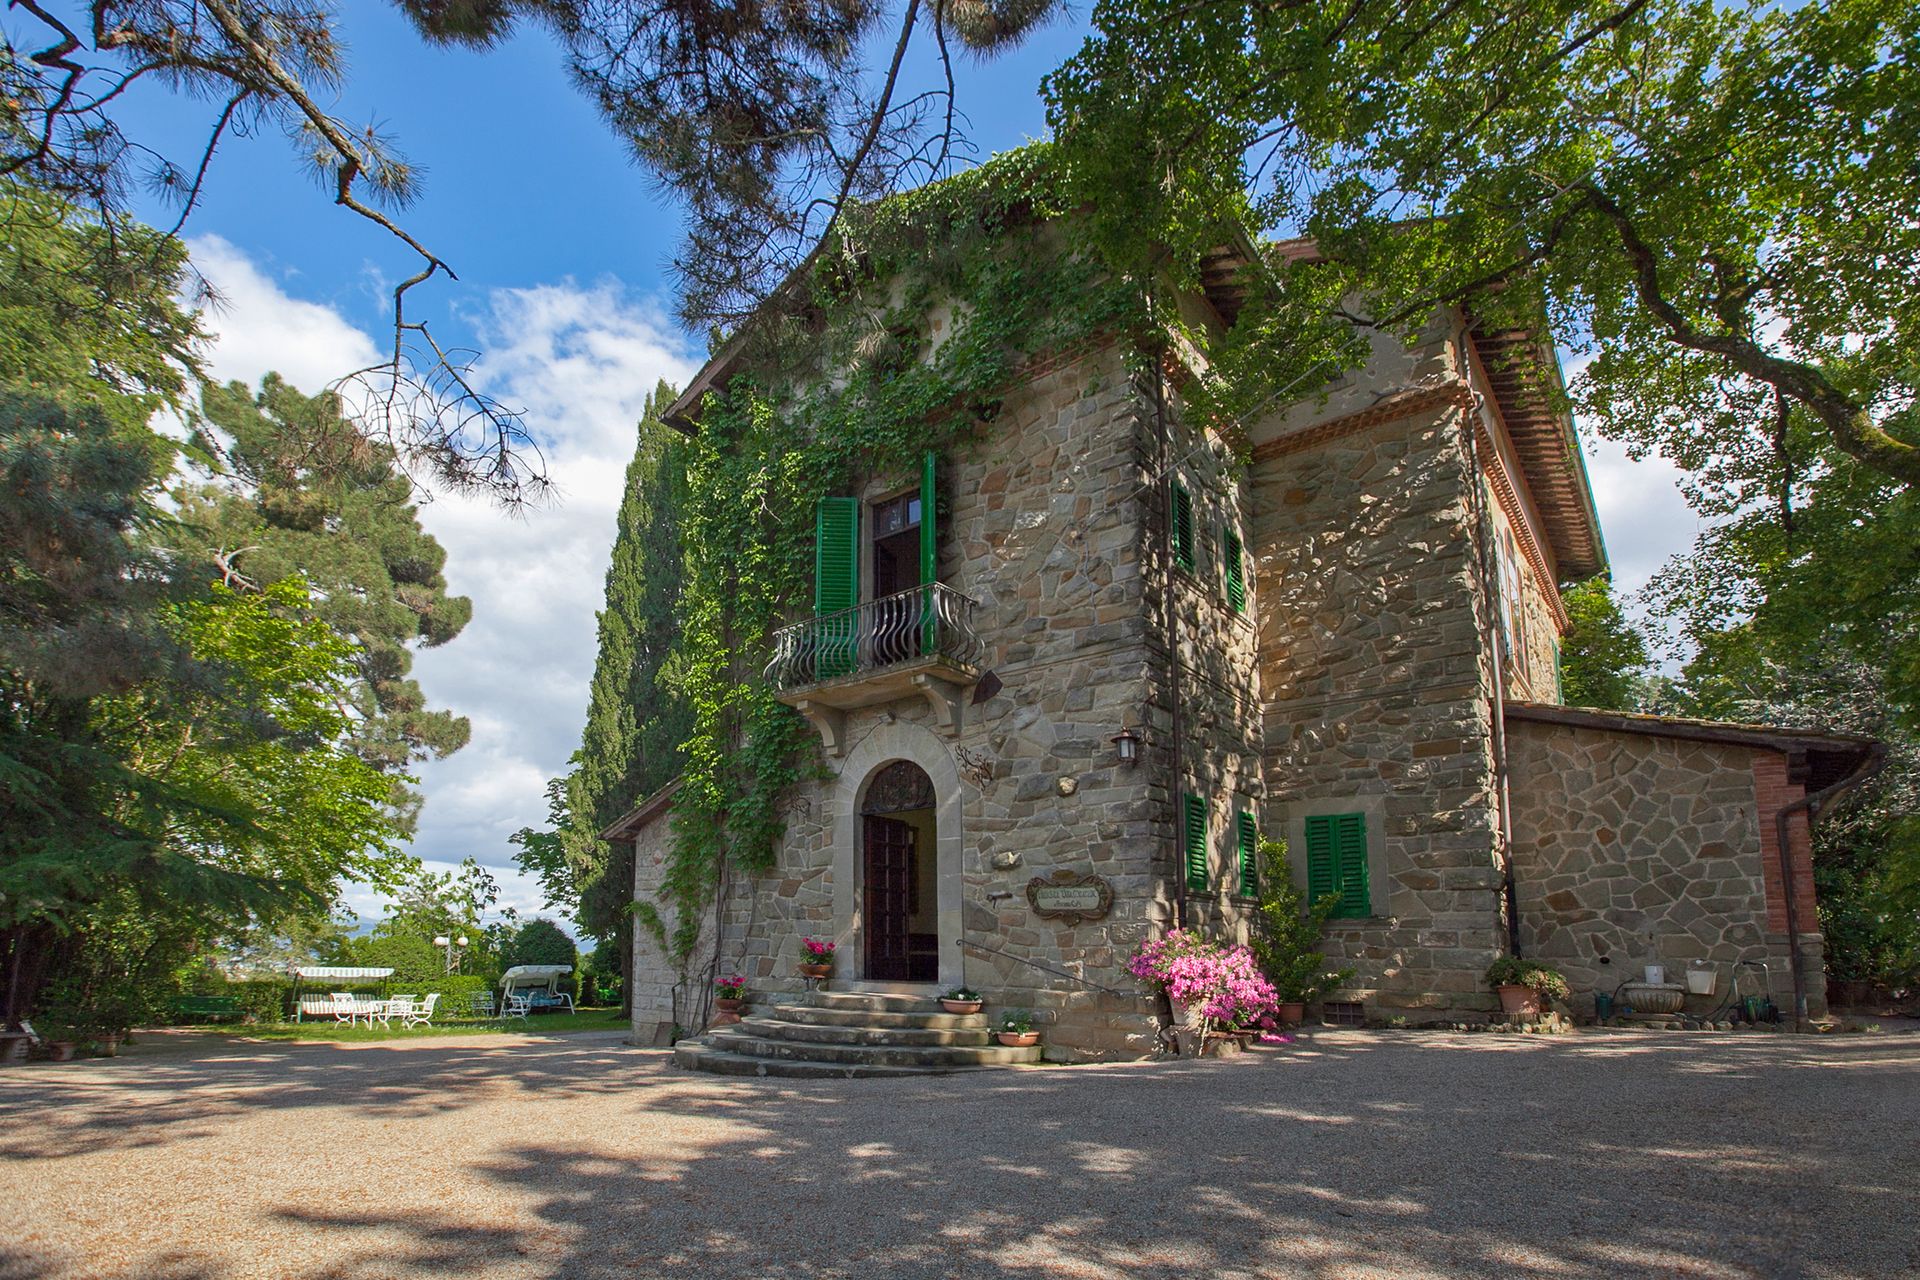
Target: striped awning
(334, 971)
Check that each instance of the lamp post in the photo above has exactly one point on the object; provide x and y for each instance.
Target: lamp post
(451, 946)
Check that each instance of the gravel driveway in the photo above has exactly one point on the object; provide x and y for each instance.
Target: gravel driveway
(1345, 1154)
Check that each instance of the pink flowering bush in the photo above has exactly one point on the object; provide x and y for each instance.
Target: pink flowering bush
(1224, 981)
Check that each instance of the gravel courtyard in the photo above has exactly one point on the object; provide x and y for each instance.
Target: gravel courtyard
(1346, 1154)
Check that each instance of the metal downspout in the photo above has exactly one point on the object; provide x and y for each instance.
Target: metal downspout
(1497, 703)
(1813, 805)
(1170, 602)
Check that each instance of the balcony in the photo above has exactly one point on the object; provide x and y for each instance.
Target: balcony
(915, 643)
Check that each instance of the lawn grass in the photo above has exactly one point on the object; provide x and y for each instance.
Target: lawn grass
(540, 1024)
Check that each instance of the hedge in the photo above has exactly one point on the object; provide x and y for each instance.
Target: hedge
(271, 999)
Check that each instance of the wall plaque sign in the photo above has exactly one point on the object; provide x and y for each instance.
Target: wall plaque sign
(1070, 896)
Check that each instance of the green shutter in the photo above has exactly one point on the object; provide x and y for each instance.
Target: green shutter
(1196, 832)
(1337, 862)
(1182, 527)
(1249, 848)
(1236, 572)
(1323, 874)
(1351, 834)
(929, 556)
(836, 586)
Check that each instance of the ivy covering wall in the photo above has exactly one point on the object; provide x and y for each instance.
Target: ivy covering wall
(903, 339)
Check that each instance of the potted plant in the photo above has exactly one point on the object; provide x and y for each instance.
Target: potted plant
(730, 993)
(819, 961)
(63, 1042)
(1207, 983)
(1016, 1030)
(1285, 936)
(961, 1000)
(1524, 984)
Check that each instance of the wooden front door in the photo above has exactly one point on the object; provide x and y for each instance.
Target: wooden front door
(889, 898)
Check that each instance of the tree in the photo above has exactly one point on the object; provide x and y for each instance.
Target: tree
(636, 720)
(765, 120)
(1603, 657)
(171, 765)
(305, 494)
(1719, 199)
(539, 941)
(440, 904)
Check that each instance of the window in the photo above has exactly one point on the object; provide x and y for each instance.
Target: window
(1195, 823)
(1230, 554)
(1337, 862)
(1182, 527)
(1247, 836)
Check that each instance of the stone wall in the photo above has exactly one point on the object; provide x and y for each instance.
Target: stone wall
(1042, 521)
(1217, 689)
(1632, 849)
(660, 1003)
(1375, 670)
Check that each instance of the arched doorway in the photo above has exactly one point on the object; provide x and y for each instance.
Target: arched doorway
(899, 877)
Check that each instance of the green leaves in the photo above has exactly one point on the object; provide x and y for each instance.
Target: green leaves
(1715, 198)
(1603, 658)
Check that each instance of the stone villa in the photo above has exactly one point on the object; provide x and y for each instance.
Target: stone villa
(1065, 680)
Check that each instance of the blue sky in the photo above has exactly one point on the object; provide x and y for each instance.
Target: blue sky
(562, 247)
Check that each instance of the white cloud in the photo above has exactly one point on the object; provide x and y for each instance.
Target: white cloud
(580, 361)
(1644, 515)
(260, 328)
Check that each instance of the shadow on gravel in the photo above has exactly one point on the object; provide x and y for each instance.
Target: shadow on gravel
(1598, 1157)
(148, 1097)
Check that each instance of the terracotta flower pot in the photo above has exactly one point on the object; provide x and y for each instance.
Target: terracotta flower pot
(728, 1006)
(60, 1050)
(14, 1046)
(1019, 1039)
(960, 1006)
(1517, 1000)
(1291, 1012)
(815, 970)
(109, 1045)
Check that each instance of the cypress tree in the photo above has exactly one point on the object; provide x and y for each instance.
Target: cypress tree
(635, 721)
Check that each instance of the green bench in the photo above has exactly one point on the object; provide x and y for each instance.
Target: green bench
(206, 1008)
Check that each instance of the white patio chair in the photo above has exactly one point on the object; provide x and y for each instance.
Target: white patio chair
(343, 1006)
(480, 1005)
(515, 1007)
(423, 1016)
(400, 1007)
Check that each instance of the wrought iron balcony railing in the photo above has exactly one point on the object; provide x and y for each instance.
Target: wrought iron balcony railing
(931, 621)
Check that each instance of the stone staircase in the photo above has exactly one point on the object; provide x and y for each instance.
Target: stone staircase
(851, 1034)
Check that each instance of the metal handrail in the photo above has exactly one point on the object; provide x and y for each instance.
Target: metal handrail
(928, 621)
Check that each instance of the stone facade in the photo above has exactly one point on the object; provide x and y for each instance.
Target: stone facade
(1399, 573)
(1376, 677)
(1043, 523)
(1635, 849)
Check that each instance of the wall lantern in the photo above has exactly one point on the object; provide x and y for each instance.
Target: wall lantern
(1127, 743)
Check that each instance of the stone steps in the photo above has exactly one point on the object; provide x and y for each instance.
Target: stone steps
(696, 1055)
(842, 1017)
(732, 1040)
(849, 1034)
(776, 1028)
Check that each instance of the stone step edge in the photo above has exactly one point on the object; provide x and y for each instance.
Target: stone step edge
(887, 1001)
(847, 1017)
(693, 1056)
(730, 1039)
(859, 1034)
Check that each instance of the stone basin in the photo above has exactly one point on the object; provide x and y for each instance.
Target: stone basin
(1653, 997)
